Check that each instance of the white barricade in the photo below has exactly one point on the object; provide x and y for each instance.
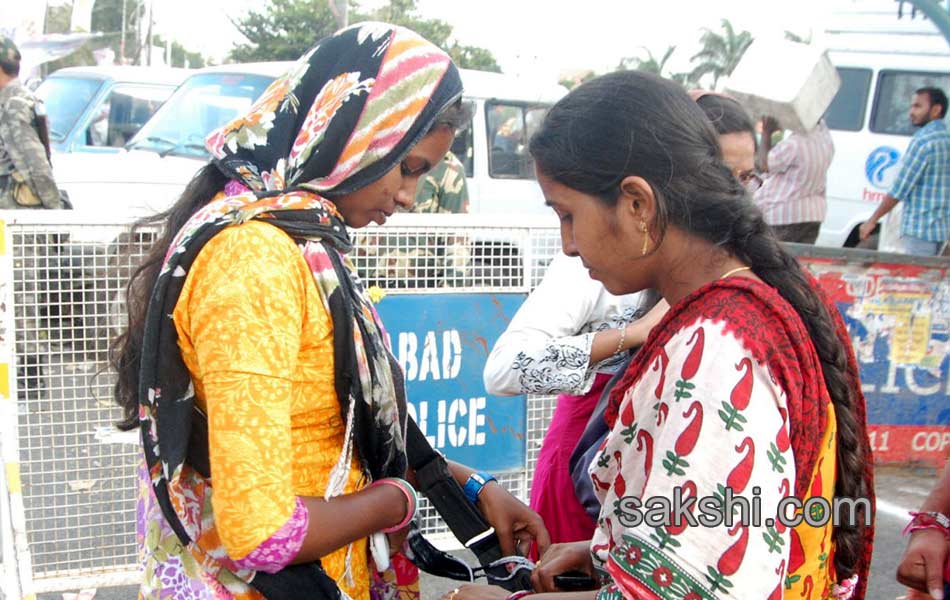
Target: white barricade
(67, 495)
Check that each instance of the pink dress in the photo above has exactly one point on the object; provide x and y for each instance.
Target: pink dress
(546, 349)
(552, 490)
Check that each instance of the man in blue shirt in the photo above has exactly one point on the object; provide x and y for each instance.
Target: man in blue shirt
(924, 180)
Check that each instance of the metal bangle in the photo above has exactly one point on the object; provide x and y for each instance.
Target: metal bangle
(623, 338)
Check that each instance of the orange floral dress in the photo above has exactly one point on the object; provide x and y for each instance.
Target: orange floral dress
(258, 342)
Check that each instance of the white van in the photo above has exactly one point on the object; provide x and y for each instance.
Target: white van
(159, 161)
(882, 60)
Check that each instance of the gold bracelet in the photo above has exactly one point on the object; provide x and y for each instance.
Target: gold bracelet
(623, 337)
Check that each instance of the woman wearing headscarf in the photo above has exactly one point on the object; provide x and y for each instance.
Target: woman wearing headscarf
(253, 353)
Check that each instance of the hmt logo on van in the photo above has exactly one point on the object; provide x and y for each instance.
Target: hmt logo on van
(882, 167)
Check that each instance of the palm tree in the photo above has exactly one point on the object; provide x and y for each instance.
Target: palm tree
(650, 64)
(721, 52)
(794, 37)
(657, 66)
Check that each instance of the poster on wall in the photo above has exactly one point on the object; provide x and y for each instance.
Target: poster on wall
(442, 342)
(898, 316)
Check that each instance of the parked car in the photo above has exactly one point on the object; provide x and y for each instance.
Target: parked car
(148, 175)
(99, 109)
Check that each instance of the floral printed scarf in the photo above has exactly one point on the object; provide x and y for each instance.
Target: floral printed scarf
(344, 115)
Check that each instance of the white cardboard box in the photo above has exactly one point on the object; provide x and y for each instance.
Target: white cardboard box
(794, 83)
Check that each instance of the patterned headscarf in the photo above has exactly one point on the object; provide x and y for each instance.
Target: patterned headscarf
(343, 116)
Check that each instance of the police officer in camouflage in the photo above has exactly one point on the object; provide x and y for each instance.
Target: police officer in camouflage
(26, 177)
(443, 190)
(419, 260)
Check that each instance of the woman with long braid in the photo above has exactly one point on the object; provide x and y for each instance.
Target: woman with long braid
(747, 387)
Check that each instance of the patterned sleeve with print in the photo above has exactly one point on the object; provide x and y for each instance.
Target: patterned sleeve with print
(696, 426)
(21, 142)
(546, 346)
(243, 319)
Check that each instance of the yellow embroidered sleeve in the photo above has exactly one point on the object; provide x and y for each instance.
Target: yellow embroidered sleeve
(243, 320)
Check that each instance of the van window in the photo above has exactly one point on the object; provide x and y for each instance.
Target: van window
(66, 99)
(892, 100)
(462, 147)
(510, 126)
(848, 108)
(122, 114)
(202, 104)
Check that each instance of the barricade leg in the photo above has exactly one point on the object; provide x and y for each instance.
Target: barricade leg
(17, 565)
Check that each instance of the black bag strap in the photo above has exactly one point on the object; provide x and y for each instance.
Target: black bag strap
(446, 495)
(463, 518)
(41, 125)
(435, 481)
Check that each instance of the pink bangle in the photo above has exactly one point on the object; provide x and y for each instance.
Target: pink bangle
(412, 500)
(519, 594)
(925, 520)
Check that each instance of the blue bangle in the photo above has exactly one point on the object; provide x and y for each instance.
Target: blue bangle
(476, 481)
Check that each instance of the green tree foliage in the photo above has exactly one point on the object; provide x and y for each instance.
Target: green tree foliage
(107, 20)
(575, 80)
(721, 52)
(283, 29)
(403, 12)
(57, 21)
(181, 57)
(650, 64)
(658, 66)
(437, 31)
(794, 37)
(473, 57)
(57, 18)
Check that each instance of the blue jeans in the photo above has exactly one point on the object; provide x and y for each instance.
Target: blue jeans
(919, 247)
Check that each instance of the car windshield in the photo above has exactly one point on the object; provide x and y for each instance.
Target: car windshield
(202, 104)
(66, 99)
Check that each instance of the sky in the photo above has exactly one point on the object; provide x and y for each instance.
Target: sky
(540, 37)
(596, 34)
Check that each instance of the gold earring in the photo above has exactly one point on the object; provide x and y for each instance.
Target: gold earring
(646, 238)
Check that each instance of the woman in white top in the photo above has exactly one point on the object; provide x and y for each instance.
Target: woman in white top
(568, 338)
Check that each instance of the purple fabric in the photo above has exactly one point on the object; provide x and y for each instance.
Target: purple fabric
(164, 574)
(235, 188)
(278, 550)
(552, 490)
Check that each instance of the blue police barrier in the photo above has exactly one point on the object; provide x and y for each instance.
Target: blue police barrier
(442, 342)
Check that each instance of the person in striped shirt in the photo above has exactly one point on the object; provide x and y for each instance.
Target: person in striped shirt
(923, 183)
(794, 175)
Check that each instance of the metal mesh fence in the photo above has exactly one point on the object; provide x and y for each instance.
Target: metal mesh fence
(440, 259)
(79, 484)
(78, 492)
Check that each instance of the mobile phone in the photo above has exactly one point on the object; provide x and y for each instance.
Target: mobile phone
(574, 581)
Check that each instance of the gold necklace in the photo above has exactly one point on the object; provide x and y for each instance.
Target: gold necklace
(734, 271)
